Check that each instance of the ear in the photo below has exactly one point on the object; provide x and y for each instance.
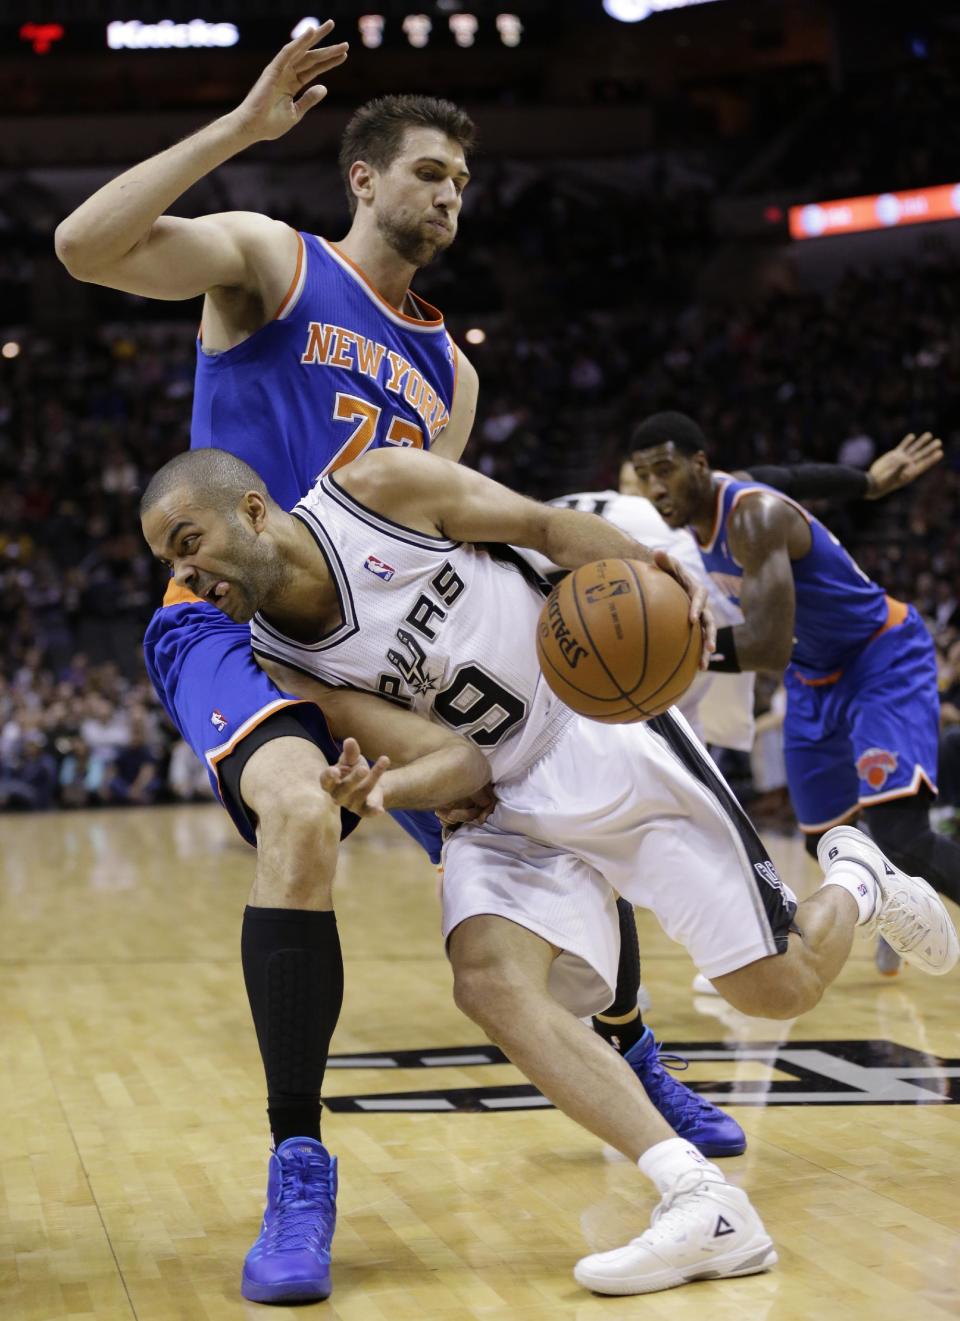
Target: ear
(362, 181)
(700, 461)
(254, 511)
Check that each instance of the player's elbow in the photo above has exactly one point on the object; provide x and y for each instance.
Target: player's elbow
(72, 250)
(470, 772)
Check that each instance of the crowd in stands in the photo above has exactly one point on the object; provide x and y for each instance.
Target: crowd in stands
(591, 322)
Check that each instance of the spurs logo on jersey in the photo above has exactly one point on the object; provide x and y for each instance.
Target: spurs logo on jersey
(453, 638)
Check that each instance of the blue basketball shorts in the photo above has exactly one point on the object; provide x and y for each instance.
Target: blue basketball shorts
(203, 671)
(870, 734)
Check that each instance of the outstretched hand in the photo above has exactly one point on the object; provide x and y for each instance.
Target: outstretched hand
(903, 464)
(353, 783)
(700, 612)
(278, 99)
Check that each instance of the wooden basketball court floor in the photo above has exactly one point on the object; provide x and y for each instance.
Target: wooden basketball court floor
(133, 1139)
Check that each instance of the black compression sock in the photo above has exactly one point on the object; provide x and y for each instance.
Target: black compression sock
(293, 969)
(626, 1033)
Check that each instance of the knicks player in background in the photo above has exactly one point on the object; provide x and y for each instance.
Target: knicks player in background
(862, 721)
(309, 354)
(718, 705)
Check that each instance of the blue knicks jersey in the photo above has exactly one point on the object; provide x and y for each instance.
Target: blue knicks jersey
(338, 371)
(839, 609)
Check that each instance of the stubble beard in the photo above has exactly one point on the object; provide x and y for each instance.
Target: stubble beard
(409, 242)
(261, 579)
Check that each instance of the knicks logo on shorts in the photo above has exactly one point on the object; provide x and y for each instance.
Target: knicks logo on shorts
(219, 721)
(876, 765)
(379, 568)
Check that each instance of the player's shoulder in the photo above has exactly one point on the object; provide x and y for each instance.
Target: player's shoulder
(251, 224)
(387, 470)
(263, 241)
(759, 515)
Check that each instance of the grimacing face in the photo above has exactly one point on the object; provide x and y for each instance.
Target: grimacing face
(418, 197)
(672, 481)
(218, 556)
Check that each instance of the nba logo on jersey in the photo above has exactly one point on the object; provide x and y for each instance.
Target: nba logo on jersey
(218, 720)
(875, 765)
(379, 568)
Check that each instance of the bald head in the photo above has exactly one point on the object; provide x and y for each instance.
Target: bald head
(211, 478)
(208, 516)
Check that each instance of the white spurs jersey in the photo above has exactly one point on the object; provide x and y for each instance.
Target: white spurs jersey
(439, 626)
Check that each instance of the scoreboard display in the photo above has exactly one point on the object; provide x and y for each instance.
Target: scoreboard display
(484, 26)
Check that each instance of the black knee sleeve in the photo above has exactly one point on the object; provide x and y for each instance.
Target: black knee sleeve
(628, 971)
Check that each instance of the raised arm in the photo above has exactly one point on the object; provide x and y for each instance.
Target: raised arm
(120, 237)
(892, 470)
(764, 533)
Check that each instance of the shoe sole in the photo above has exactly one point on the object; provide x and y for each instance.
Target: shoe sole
(748, 1261)
(299, 1291)
(716, 1152)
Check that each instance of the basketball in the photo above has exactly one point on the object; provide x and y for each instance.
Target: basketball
(615, 642)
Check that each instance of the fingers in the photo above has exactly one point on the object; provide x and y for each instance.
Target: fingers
(352, 784)
(318, 62)
(350, 753)
(309, 99)
(708, 628)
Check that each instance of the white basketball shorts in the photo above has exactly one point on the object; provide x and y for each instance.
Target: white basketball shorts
(639, 810)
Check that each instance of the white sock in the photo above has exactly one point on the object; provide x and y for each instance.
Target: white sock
(665, 1162)
(858, 882)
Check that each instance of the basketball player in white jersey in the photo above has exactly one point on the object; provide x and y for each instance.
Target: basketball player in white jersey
(373, 583)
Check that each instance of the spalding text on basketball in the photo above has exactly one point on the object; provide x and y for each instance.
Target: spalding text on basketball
(570, 649)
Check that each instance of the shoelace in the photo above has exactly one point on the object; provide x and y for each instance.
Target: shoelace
(690, 1182)
(305, 1202)
(669, 1096)
(903, 925)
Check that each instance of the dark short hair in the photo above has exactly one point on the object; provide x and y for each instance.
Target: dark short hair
(218, 479)
(667, 427)
(376, 131)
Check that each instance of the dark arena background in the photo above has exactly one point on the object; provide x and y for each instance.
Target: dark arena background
(747, 210)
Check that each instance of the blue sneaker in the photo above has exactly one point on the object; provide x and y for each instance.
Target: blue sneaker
(711, 1130)
(290, 1261)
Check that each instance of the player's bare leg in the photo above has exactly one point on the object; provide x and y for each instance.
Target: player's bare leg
(298, 826)
(501, 973)
(861, 888)
(293, 969)
(500, 981)
(787, 985)
(712, 1131)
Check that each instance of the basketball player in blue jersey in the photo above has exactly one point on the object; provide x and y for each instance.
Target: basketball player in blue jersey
(309, 354)
(862, 720)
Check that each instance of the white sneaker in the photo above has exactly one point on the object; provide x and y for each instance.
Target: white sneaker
(702, 1230)
(909, 913)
